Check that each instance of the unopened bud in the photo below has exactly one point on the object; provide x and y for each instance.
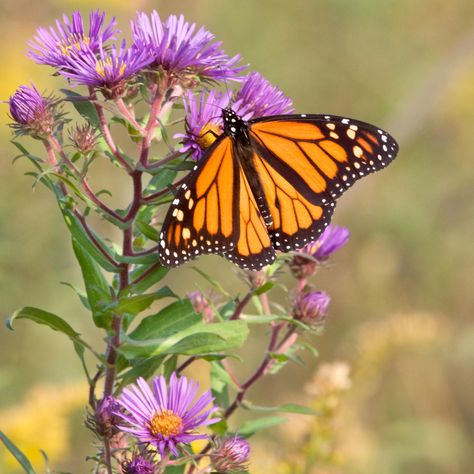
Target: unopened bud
(201, 305)
(311, 308)
(33, 113)
(105, 417)
(231, 455)
(83, 138)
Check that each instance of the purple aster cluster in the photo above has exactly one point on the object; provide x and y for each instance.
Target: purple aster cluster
(139, 464)
(54, 45)
(255, 98)
(176, 47)
(166, 416)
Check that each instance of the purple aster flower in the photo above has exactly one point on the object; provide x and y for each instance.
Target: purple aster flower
(139, 465)
(52, 46)
(304, 262)
(32, 112)
(203, 121)
(231, 455)
(178, 49)
(311, 308)
(258, 98)
(333, 238)
(166, 416)
(110, 70)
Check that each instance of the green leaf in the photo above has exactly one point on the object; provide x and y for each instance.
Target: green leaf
(170, 366)
(99, 292)
(80, 235)
(136, 304)
(48, 319)
(220, 381)
(253, 426)
(176, 329)
(212, 281)
(141, 368)
(19, 456)
(175, 469)
(264, 288)
(80, 293)
(220, 427)
(285, 408)
(150, 259)
(85, 108)
(147, 276)
(163, 178)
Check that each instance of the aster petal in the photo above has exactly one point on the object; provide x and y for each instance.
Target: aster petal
(161, 392)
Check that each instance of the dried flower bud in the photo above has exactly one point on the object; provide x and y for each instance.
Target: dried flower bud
(257, 279)
(311, 308)
(83, 138)
(201, 306)
(33, 113)
(231, 455)
(105, 417)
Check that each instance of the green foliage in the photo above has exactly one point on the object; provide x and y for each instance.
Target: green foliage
(177, 329)
(19, 456)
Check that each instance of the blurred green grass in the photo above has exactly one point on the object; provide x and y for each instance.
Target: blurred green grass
(407, 66)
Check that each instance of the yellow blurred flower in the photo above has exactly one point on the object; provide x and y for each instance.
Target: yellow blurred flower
(41, 422)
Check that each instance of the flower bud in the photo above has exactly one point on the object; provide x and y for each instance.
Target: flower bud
(83, 138)
(105, 417)
(33, 113)
(139, 465)
(201, 306)
(231, 455)
(311, 308)
(257, 279)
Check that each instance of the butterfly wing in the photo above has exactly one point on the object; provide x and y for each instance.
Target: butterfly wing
(215, 211)
(204, 216)
(305, 162)
(253, 249)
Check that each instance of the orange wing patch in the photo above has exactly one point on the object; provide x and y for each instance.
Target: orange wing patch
(202, 218)
(295, 219)
(254, 247)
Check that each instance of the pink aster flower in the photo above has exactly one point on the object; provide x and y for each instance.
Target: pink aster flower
(54, 45)
(166, 416)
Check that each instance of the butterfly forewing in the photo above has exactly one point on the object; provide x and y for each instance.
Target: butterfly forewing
(204, 215)
(322, 155)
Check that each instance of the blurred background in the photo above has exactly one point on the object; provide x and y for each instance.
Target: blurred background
(395, 372)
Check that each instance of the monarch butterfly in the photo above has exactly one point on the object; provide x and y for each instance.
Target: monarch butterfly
(269, 184)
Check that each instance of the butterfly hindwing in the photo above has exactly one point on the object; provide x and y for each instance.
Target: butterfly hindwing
(253, 248)
(204, 215)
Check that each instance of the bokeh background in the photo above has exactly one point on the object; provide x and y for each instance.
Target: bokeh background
(395, 373)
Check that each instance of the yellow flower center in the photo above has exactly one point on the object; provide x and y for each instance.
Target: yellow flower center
(208, 135)
(73, 42)
(166, 423)
(102, 64)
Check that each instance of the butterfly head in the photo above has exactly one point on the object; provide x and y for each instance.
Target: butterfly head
(234, 126)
